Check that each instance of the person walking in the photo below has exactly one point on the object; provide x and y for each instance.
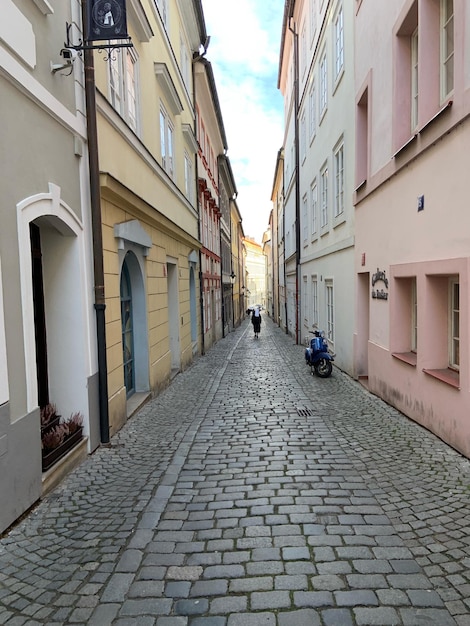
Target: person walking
(256, 321)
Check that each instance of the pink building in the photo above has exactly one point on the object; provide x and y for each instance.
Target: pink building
(412, 341)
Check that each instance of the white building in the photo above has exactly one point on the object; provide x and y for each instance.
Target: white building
(317, 81)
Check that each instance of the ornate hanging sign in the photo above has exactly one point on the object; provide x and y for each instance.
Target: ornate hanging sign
(380, 294)
(106, 19)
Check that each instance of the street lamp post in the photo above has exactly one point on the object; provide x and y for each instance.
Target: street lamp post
(232, 282)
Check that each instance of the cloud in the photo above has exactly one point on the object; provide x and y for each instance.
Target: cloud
(244, 53)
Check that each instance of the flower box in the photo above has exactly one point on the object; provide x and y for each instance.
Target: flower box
(52, 456)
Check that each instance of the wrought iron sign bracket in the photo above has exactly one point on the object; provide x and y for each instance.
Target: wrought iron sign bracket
(86, 46)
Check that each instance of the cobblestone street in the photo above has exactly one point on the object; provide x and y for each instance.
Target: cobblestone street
(251, 493)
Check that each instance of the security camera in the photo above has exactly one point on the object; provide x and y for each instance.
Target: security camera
(69, 54)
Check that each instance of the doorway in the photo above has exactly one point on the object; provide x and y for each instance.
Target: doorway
(135, 347)
(127, 330)
(40, 334)
(173, 316)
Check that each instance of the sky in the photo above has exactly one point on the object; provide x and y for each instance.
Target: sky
(244, 54)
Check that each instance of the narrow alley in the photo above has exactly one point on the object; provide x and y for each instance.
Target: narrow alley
(251, 493)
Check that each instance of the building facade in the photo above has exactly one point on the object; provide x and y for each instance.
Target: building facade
(238, 264)
(277, 230)
(256, 273)
(227, 195)
(147, 149)
(412, 237)
(48, 349)
(212, 144)
(317, 81)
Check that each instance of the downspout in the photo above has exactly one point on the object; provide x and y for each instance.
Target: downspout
(219, 159)
(98, 266)
(198, 57)
(284, 264)
(297, 179)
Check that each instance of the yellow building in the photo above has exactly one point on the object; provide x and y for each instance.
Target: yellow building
(146, 145)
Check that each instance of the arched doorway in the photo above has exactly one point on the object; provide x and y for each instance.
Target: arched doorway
(135, 352)
(127, 330)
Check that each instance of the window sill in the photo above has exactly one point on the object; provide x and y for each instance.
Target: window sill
(434, 117)
(339, 219)
(448, 376)
(406, 357)
(405, 145)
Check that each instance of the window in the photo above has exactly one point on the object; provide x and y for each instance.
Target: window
(404, 333)
(414, 316)
(314, 206)
(188, 177)
(312, 112)
(323, 84)
(166, 142)
(123, 87)
(339, 43)
(406, 67)
(414, 80)
(162, 6)
(305, 295)
(210, 241)
(330, 325)
(362, 138)
(315, 300)
(313, 19)
(205, 225)
(447, 46)
(185, 64)
(454, 351)
(131, 92)
(303, 138)
(115, 82)
(339, 180)
(303, 50)
(442, 350)
(324, 197)
(304, 220)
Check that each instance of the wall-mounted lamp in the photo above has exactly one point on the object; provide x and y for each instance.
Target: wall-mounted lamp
(232, 277)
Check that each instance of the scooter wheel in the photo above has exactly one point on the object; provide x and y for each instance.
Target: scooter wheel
(323, 368)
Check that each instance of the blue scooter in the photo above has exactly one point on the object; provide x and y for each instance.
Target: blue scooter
(317, 354)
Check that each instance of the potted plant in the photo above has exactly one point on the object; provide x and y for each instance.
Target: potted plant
(57, 440)
(49, 417)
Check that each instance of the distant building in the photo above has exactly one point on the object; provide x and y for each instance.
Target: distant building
(255, 272)
(212, 144)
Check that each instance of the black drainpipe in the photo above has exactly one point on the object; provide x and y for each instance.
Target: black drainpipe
(95, 201)
(297, 179)
(197, 57)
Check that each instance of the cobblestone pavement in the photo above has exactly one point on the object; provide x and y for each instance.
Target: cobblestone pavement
(250, 493)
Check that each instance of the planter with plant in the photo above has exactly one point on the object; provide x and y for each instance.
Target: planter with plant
(60, 438)
(49, 418)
